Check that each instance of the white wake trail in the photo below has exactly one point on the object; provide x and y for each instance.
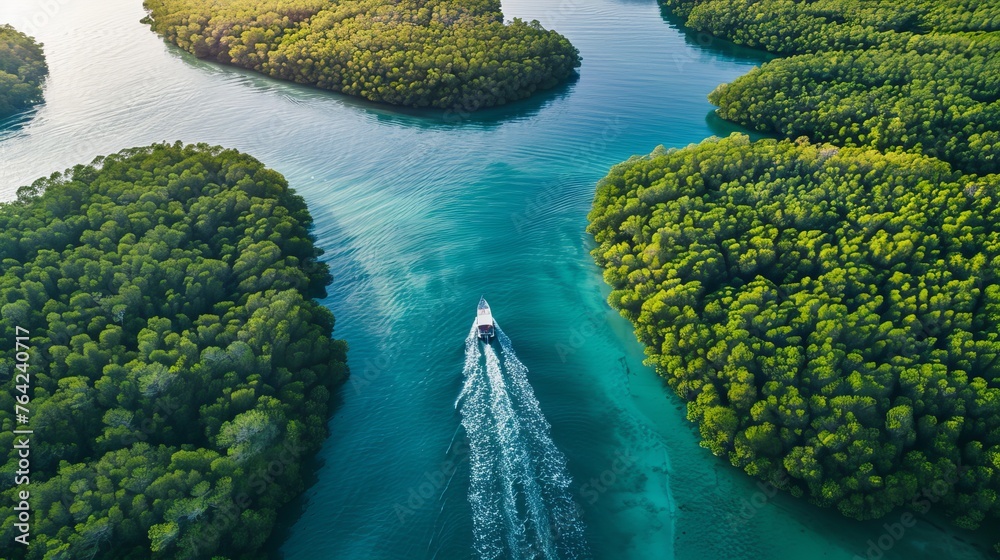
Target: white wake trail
(549, 463)
(519, 490)
(473, 402)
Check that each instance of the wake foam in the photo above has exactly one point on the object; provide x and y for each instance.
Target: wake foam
(520, 488)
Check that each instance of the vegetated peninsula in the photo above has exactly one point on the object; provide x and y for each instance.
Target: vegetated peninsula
(179, 371)
(831, 316)
(920, 76)
(449, 54)
(22, 69)
(829, 306)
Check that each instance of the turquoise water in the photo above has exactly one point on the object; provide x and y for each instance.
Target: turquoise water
(420, 214)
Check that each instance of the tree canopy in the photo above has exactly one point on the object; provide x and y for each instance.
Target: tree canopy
(449, 54)
(828, 307)
(180, 370)
(789, 27)
(831, 316)
(22, 69)
(918, 76)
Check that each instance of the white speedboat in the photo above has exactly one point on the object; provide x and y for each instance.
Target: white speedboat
(485, 327)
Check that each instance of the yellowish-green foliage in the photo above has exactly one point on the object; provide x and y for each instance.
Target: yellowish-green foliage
(831, 316)
(22, 69)
(179, 369)
(940, 97)
(920, 76)
(450, 54)
(790, 27)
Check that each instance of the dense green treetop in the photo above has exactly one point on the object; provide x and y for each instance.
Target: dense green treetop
(180, 371)
(806, 26)
(940, 96)
(920, 76)
(450, 54)
(831, 316)
(22, 69)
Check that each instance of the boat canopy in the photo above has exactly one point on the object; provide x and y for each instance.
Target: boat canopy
(484, 320)
(484, 317)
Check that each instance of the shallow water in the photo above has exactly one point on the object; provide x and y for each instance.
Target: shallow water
(420, 214)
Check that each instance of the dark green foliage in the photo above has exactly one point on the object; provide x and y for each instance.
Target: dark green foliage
(22, 69)
(919, 76)
(831, 316)
(181, 372)
(450, 54)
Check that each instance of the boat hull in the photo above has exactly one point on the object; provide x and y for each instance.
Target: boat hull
(485, 325)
